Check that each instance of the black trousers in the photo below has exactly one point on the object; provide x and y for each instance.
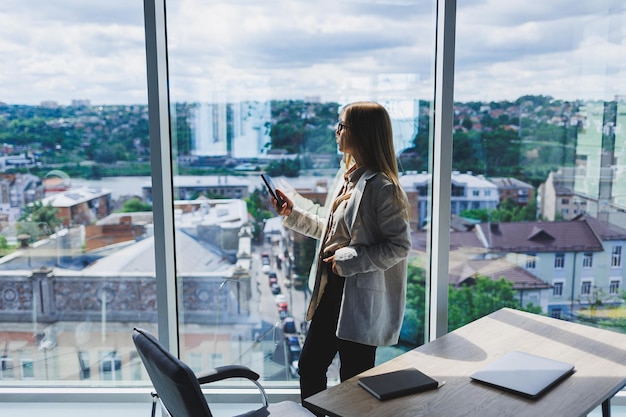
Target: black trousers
(321, 344)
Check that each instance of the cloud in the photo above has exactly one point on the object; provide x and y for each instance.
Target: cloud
(334, 49)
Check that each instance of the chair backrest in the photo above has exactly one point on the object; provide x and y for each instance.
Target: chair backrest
(173, 380)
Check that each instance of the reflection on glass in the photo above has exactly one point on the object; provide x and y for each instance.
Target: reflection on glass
(538, 195)
(245, 101)
(77, 264)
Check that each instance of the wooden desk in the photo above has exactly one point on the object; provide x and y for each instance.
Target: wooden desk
(599, 357)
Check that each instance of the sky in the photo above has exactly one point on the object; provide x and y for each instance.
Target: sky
(335, 50)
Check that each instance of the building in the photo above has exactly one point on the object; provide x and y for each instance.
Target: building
(564, 267)
(192, 187)
(80, 205)
(469, 192)
(556, 197)
(118, 281)
(514, 190)
(470, 258)
(570, 256)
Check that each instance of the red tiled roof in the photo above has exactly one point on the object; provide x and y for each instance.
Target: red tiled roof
(605, 230)
(562, 236)
(496, 269)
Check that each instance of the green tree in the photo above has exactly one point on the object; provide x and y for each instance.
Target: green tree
(182, 130)
(507, 211)
(38, 221)
(258, 208)
(476, 214)
(502, 152)
(465, 304)
(286, 167)
(135, 205)
(422, 139)
(466, 152)
(413, 327)
(287, 135)
(485, 296)
(5, 247)
(305, 256)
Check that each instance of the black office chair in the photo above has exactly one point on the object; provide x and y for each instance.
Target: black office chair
(178, 387)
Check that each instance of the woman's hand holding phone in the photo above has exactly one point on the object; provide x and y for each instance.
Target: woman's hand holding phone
(285, 209)
(282, 204)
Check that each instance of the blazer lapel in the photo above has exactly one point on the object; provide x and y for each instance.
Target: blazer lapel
(352, 207)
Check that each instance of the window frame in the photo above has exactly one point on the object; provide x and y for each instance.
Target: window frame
(586, 286)
(616, 256)
(559, 260)
(162, 172)
(614, 286)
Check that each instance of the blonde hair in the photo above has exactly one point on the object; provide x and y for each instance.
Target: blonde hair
(369, 137)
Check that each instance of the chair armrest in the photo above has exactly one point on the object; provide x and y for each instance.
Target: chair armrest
(225, 372)
(233, 371)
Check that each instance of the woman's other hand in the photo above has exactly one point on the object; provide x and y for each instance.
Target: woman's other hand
(285, 209)
(333, 265)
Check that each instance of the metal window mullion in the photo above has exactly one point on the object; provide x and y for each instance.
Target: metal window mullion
(442, 170)
(161, 160)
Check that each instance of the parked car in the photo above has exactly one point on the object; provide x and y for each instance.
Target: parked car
(282, 306)
(265, 262)
(280, 298)
(276, 289)
(289, 325)
(292, 343)
(272, 279)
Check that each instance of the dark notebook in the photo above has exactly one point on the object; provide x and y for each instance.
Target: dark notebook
(523, 373)
(397, 383)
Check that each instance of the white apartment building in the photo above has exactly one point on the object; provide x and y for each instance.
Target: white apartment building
(468, 192)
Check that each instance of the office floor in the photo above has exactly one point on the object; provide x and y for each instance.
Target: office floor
(143, 410)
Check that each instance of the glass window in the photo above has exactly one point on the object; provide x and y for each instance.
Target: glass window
(585, 288)
(559, 260)
(614, 287)
(557, 132)
(244, 101)
(27, 368)
(458, 191)
(83, 365)
(76, 241)
(6, 367)
(110, 366)
(556, 313)
(616, 257)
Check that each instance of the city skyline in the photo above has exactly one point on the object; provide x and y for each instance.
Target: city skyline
(337, 51)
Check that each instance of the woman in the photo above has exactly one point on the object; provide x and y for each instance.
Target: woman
(358, 298)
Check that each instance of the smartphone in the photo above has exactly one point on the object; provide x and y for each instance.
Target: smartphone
(269, 184)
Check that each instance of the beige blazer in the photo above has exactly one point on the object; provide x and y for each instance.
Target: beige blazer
(374, 263)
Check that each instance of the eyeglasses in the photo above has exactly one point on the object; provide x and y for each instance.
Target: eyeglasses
(341, 126)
